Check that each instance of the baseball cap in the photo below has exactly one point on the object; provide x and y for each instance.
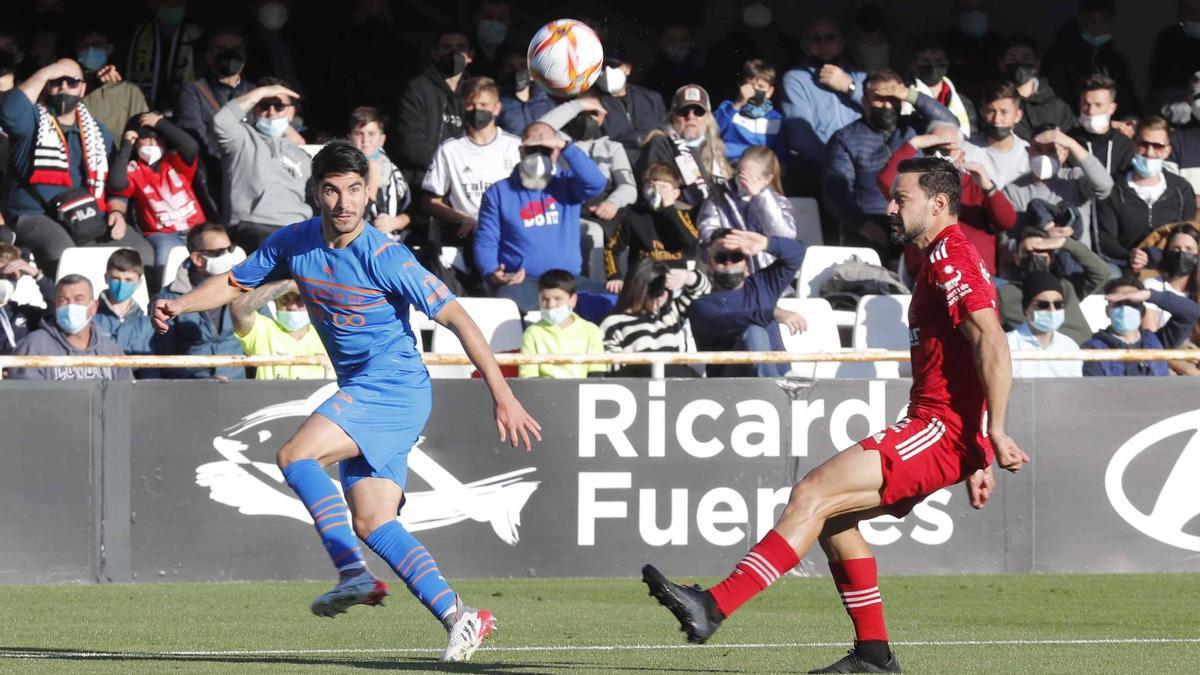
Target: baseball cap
(690, 94)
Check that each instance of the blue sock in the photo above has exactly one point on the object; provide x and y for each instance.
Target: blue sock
(329, 512)
(416, 567)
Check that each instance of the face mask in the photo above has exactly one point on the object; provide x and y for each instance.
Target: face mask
(1020, 73)
(884, 119)
(995, 133)
(1178, 263)
(92, 58)
(517, 80)
(930, 73)
(72, 318)
(291, 320)
(477, 119)
(170, 16)
(677, 55)
(1095, 40)
(757, 15)
(1146, 167)
(1191, 29)
(758, 107)
(61, 104)
(1044, 167)
(491, 33)
(121, 290)
(583, 127)
(376, 155)
(272, 127)
(1126, 319)
(1095, 124)
(150, 154)
(729, 279)
(223, 263)
(1048, 320)
(535, 171)
(7, 288)
(695, 143)
(229, 63)
(272, 15)
(452, 63)
(556, 315)
(653, 198)
(613, 80)
(973, 23)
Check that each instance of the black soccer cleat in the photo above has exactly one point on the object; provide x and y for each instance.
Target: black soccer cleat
(693, 607)
(853, 662)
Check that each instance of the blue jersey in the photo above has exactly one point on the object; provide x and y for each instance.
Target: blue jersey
(358, 297)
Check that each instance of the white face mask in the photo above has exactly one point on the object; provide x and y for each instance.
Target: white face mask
(292, 320)
(272, 15)
(224, 262)
(7, 288)
(535, 171)
(1044, 167)
(614, 79)
(150, 154)
(556, 315)
(1095, 124)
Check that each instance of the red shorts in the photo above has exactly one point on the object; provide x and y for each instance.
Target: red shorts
(919, 457)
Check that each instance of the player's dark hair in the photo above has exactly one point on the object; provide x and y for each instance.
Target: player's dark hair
(72, 279)
(557, 279)
(936, 175)
(1122, 282)
(124, 260)
(338, 157)
(643, 285)
(194, 234)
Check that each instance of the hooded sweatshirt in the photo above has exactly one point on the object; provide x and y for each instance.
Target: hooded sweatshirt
(266, 179)
(1042, 108)
(49, 340)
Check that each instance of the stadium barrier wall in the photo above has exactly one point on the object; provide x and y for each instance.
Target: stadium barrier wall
(165, 481)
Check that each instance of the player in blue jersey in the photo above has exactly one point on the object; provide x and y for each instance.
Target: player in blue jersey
(358, 285)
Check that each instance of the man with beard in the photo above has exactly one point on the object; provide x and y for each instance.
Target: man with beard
(952, 432)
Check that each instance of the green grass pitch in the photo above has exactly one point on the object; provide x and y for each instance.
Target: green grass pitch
(976, 624)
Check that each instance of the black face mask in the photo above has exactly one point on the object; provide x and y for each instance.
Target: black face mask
(477, 119)
(1020, 73)
(884, 119)
(451, 63)
(516, 80)
(583, 127)
(229, 63)
(61, 103)
(729, 279)
(758, 98)
(931, 73)
(1178, 263)
(995, 133)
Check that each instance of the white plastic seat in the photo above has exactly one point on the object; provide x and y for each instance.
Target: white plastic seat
(818, 266)
(312, 148)
(1095, 311)
(92, 262)
(175, 259)
(453, 258)
(880, 322)
(808, 220)
(498, 319)
(821, 336)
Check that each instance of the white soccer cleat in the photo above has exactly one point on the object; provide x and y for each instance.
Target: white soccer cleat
(471, 629)
(361, 589)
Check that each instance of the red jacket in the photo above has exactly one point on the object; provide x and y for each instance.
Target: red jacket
(981, 215)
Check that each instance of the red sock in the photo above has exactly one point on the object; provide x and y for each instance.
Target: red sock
(857, 583)
(766, 562)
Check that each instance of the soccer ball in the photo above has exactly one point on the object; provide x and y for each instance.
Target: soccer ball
(565, 57)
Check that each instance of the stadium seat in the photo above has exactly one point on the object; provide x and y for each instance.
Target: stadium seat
(880, 322)
(175, 260)
(808, 220)
(499, 320)
(1095, 311)
(28, 293)
(312, 148)
(453, 258)
(821, 336)
(91, 262)
(818, 267)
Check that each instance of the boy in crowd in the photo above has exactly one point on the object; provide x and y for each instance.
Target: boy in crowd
(560, 330)
(118, 314)
(751, 119)
(290, 333)
(388, 191)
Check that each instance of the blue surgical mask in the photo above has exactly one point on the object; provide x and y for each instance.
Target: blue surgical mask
(272, 127)
(121, 290)
(1048, 320)
(1096, 40)
(292, 320)
(556, 315)
(1147, 167)
(72, 318)
(1126, 319)
(973, 23)
(377, 155)
(92, 58)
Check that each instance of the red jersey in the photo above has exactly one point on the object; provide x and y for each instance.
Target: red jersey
(951, 284)
(163, 195)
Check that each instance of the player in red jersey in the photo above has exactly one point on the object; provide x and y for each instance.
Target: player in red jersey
(954, 429)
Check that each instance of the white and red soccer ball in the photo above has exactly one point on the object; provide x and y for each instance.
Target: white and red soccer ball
(565, 57)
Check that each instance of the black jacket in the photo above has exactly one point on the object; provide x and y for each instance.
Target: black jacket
(1071, 59)
(1125, 219)
(1176, 57)
(633, 116)
(430, 112)
(1044, 107)
(1185, 146)
(667, 235)
(1113, 149)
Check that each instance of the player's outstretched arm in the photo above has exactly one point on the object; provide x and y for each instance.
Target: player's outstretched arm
(512, 422)
(213, 293)
(992, 359)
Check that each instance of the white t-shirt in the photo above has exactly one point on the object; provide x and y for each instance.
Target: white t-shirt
(1147, 193)
(1160, 284)
(1002, 167)
(463, 171)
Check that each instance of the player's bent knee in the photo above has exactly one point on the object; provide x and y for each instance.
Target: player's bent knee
(366, 523)
(292, 452)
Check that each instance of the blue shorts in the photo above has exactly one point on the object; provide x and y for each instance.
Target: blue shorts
(384, 416)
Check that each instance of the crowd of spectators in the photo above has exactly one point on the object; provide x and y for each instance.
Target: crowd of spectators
(659, 199)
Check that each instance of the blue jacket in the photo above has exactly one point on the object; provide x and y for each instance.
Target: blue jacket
(1183, 317)
(516, 114)
(740, 132)
(197, 333)
(719, 318)
(856, 155)
(18, 119)
(537, 230)
(133, 332)
(813, 112)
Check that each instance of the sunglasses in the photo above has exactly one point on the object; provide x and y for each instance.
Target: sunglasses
(1147, 145)
(64, 81)
(691, 110)
(215, 252)
(730, 257)
(266, 106)
(1049, 304)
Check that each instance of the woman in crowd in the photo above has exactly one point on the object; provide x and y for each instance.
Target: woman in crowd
(1178, 273)
(756, 204)
(650, 314)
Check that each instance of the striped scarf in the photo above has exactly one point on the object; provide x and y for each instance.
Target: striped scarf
(51, 160)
